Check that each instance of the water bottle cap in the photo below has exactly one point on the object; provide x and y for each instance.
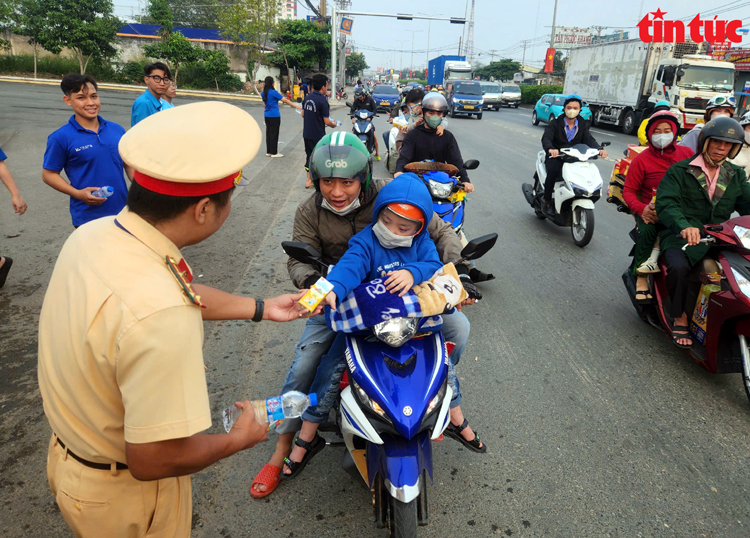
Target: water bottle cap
(313, 399)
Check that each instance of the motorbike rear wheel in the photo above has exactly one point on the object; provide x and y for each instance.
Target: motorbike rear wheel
(584, 230)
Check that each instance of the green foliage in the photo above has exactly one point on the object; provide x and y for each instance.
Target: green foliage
(502, 70)
(215, 64)
(132, 72)
(57, 67)
(300, 44)
(355, 63)
(196, 77)
(558, 65)
(176, 49)
(160, 13)
(192, 13)
(88, 27)
(531, 94)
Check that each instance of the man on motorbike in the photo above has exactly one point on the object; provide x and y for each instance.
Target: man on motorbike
(341, 207)
(421, 144)
(564, 132)
(702, 189)
(718, 105)
(362, 101)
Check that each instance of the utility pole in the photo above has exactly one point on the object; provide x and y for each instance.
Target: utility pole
(470, 37)
(492, 55)
(411, 61)
(523, 62)
(552, 41)
(459, 45)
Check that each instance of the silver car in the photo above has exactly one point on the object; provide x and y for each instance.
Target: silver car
(511, 95)
(491, 94)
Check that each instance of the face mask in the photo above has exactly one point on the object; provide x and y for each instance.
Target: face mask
(747, 137)
(388, 239)
(433, 121)
(571, 113)
(662, 140)
(341, 212)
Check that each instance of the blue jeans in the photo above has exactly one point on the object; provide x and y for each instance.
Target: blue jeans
(456, 328)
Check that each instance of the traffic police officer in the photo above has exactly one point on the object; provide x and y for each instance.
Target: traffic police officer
(121, 333)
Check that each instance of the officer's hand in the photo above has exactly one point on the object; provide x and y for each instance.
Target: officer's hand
(691, 235)
(554, 153)
(246, 429)
(603, 153)
(286, 307)
(85, 196)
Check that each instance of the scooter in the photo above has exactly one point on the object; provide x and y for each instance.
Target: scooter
(363, 128)
(397, 400)
(340, 94)
(574, 196)
(720, 324)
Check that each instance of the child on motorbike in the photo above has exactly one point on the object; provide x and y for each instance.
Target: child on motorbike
(643, 177)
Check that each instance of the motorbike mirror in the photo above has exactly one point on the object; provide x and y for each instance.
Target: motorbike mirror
(476, 248)
(605, 144)
(302, 252)
(348, 104)
(471, 164)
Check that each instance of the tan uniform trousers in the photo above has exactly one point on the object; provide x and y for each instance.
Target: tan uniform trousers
(97, 503)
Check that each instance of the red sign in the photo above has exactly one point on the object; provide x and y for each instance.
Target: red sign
(741, 59)
(665, 31)
(549, 61)
(425, 73)
(719, 50)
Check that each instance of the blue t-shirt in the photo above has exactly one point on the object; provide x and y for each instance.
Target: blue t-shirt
(165, 104)
(316, 110)
(90, 160)
(144, 106)
(272, 104)
(3, 156)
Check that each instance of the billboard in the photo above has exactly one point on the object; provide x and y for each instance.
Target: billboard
(568, 38)
(609, 38)
(346, 26)
(741, 59)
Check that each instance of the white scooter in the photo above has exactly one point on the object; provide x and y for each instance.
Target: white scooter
(574, 196)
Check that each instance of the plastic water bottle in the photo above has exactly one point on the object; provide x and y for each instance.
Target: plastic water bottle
(299, 111)
(103, 192)
(338, 123)
(273, 410)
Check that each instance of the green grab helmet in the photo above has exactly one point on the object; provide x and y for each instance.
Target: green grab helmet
(341, 155)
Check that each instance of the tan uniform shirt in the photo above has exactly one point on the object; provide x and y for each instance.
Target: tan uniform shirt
(120, 343)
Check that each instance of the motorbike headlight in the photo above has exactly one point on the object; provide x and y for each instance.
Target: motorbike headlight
(397, 331)
(368, 402)
(742, 281)
(579, 191)
(440, 190)
(481, 101)
(743, 234)
(436, 400)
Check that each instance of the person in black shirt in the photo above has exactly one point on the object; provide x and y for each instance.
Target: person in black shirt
(315, 115)
(362, 101)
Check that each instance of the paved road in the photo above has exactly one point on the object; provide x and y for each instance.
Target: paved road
(596, 424)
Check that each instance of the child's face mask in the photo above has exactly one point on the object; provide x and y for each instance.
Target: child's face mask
(388, 239)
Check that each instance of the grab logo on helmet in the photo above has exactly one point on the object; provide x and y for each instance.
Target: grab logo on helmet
(335, 164)
(660, 30)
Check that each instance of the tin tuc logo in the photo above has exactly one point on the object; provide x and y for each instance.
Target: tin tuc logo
(659, 30)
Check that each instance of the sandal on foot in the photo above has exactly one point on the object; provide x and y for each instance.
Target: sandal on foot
(643, 297)
(312, 447)
(269, 477)
(648, 267)
(681, 333)
(479, 276)
(475, 444)
(4, 270)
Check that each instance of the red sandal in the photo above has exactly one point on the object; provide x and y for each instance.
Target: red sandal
(269, 477)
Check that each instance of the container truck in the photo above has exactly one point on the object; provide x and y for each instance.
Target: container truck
(622, 81)
(444, 68)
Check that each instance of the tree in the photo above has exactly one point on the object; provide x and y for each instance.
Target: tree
(248, 24)
(500, 70)
(32, 23)
(8, 11)
(173, 47)
(558, 65)
(216, 64)
(192, 13)
(300, 44)
(355, 63)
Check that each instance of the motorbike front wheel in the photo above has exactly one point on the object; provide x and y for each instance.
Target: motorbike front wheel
(402, 518)
(583, 226)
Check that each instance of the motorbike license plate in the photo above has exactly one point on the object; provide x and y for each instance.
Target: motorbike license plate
(469, 107)
(384, 103)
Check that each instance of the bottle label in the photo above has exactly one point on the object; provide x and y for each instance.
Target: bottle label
(274, 409)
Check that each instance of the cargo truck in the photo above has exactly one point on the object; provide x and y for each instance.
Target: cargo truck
(621, 81)
(445, 68)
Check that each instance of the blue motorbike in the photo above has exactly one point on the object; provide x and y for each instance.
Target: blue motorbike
(363, 127)
(397, 402)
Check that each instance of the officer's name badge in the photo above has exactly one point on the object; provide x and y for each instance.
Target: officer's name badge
(182, 273)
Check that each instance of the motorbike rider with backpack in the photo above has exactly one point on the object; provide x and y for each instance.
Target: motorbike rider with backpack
(362, 101)
(564, 132)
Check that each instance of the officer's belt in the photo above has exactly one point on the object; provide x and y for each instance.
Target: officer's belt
(93, 465)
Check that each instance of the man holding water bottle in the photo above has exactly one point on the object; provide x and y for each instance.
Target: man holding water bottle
(86, 148)
(121, 368)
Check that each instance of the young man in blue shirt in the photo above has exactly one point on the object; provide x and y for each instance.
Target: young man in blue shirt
(87, 149)
(19, 206)
(316, 115)
(157, 78)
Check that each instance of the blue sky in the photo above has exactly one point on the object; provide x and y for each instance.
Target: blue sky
(499, 26)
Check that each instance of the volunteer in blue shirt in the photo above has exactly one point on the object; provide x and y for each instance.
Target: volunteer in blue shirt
(157, 78)
(19, 206)
(272, 116)
(315, 114)
(171, 93)
(87, 149)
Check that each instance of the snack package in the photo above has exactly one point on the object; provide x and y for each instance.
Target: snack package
(316, 294)
(700, 315)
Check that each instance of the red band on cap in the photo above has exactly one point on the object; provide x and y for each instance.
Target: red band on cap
(172, 188)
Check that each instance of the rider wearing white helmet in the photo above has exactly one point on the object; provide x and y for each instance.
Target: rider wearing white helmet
(718, 105)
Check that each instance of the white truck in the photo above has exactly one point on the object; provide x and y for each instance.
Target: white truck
(621, 81)
(457, 70)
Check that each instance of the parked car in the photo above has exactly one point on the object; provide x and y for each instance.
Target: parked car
(465, 97)
(385, 97)
(551, 106)
(511, 96)
(492, 95)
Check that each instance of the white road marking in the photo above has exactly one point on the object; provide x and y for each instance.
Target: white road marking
(601, 132)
